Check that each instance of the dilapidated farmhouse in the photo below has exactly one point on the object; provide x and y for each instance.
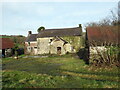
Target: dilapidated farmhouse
(54, 41)
(6, 46)
(97, 38)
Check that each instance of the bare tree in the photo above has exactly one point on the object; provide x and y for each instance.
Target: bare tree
(112, 19)
(105, 22)
(92, 24)
(119, 12)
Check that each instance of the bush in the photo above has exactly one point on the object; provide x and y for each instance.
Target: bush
(109, 56)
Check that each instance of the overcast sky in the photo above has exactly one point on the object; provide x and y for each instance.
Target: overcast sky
(20, 17)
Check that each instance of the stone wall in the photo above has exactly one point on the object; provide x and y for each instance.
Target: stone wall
(55, 45)
(47, 45)
(31, 47)
(69, 48)
(50, 45)
(8, 52)
(43, 45)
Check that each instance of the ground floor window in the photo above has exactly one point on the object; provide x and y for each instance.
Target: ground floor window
(35, 47)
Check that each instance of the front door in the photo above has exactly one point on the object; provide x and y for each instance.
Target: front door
(58, 50)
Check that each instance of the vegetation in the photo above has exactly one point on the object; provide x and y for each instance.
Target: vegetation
(41, 29)
(18, 41)
(76, 41)
(66, 71)
(112, 20)
(109, 56)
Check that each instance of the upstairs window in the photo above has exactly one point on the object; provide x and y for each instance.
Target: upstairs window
(50, 40)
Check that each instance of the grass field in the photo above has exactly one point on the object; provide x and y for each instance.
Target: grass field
(65, 71)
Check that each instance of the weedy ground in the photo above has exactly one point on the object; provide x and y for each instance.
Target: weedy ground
(66, 71)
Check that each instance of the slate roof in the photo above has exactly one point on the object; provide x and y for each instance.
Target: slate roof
(32, 37)
(6, 43)
(77, 31)
(106, 34)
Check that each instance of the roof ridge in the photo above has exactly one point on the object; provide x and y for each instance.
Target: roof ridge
(33, 34)
(60, 28)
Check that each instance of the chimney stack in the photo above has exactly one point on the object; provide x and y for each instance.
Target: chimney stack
(80, 25)
(29, 33)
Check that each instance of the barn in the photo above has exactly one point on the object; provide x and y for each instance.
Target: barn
(6, 46)
(98, 38)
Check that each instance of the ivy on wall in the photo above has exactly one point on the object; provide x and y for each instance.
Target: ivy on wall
(75, 41)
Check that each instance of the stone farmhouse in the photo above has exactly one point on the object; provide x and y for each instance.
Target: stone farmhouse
(97, 38)
(54, 41)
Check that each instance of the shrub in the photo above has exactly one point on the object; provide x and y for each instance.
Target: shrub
(108, 56)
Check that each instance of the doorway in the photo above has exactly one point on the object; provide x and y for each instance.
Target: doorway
(58, 50)
(3, 52)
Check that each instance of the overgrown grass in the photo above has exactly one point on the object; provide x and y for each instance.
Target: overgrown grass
(56, 72)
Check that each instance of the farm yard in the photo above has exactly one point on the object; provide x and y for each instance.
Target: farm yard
(66, 71)
(42, 47)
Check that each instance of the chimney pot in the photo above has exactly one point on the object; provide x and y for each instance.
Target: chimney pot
(80, 25)
(29, 33)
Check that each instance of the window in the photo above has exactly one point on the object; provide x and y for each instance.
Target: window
(50, 40)
(28, 43)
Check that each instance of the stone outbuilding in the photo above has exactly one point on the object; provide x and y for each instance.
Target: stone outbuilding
(6, 46)
(99, 37)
